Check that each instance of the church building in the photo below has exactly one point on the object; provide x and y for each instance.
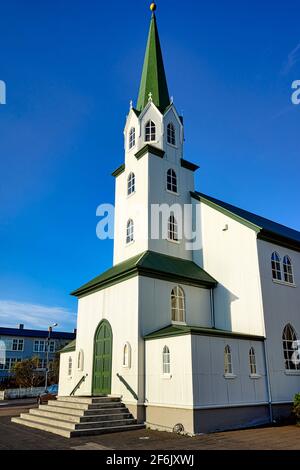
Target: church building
(192, 336)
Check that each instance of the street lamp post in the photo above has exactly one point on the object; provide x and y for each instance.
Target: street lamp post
(50, 329)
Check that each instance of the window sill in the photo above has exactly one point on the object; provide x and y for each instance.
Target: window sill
(130, 243)
(131, 195)
(166, 376)
(176, 242)
(172, 192)
(180, 323)
(172, 145)
(255, 376)
(230, 376)
(283, 283)
(292, 372)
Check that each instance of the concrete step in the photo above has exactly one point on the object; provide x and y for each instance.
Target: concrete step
(83, 406)
(78, 412)
(90, 400)
(58, 409)
(76, 433)
(42, 427)
(108, 415)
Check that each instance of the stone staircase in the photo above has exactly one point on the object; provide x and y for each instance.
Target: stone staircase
(77, 417)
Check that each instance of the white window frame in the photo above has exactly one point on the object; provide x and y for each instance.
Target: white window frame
(41, 343)
(126, 356)
(132, 138)
(70, 366)
(19, 345)
(130, 232)
(289, 340)
(288, 271)
(178, 308)
(228, 363)
(276, 267)
(166, 362)
(80, 360)
(150, 131)
(173, 233)
(131, 184)
(252, 362)
(171, 134)
(172, 181)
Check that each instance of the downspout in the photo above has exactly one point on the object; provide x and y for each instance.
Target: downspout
(212, 308)
(268, 380)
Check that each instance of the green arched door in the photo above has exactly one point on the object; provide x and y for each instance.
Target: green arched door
(102, 360)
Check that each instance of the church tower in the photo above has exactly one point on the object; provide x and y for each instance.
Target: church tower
(154, 184)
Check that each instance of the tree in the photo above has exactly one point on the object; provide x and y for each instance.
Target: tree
(54, 370)
(26, 374)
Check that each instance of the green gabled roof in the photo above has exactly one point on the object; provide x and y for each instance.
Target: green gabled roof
(70, 347)
(266, 229)
(180, 330)
(150, 264)
(153, 77)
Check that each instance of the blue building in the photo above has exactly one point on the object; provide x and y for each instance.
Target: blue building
(17, 344)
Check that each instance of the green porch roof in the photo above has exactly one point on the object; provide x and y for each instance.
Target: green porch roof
(266, 229)
(180, 330)
(150, 264)
(70, 347)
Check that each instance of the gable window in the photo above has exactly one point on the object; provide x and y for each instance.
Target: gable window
(288, 270)
(166, 361)
(172, 229)
(276, 267)
(252, 362)
(150, 132)
(130, 232)
(290, 348)
(127, 356)
(171, 135)
(70, 366)
(178, 305)
(131, 138)
(228, 361)
(172, 181)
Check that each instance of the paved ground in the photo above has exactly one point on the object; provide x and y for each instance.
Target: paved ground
(16, 437)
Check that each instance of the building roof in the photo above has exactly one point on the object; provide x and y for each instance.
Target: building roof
(70, 347)
(154, 79)
(35, 333)
(267, 229)
(150, 264)
(180, 330)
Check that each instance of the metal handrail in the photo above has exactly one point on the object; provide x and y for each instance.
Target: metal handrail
(78, 385)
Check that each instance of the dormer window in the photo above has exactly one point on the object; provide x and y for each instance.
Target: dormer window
(150, 132)
(171, 134)
(132, 138)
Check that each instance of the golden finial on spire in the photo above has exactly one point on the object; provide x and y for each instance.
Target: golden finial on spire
(153, 7)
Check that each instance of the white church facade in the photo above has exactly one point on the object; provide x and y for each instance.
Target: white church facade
(193, 338)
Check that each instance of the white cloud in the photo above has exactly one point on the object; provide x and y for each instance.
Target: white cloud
(35, 316)
(293, 59)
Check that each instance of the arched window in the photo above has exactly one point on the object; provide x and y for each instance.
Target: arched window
(150, 132)
(178, 305)
(80, 361)
(166, 361)
(130, 231)
(131, 184)
(172, 181)
(131, 138)
(227, 361)
(127, 356)
(70, 366)
(172, 229)
(288, 270)
(290, 348)
(252, 362)
(276, 267)
(171, 135)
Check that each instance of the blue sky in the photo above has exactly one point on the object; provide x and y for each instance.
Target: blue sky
(71, 69)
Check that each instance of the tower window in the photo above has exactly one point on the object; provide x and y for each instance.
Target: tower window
(166, 361)
(130, 232)
(171, 135)
(276, 267)
(288, 270)
(227, 361)
(252, 362)
(131, 138)
(131, 184)
(178, 305)
(291, 348)
(172, 229)
(150, 132)
(172, 181)
(127, 356)
(70, 366)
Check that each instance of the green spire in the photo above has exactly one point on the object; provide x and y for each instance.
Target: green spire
(154, 77)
